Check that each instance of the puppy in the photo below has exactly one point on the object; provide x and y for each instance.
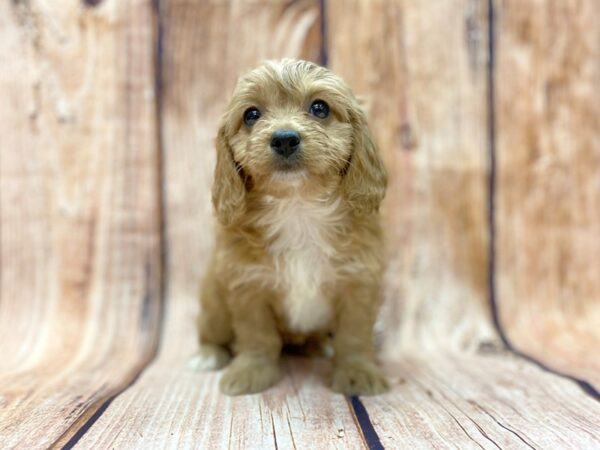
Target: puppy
(299, 249)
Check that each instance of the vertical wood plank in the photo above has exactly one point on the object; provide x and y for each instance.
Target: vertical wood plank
(421, 68)
(548, 194)
(79, 218)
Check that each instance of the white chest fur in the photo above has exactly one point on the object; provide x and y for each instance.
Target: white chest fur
(299, 232)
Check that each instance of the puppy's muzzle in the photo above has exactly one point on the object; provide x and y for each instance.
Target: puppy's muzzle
(285, 142)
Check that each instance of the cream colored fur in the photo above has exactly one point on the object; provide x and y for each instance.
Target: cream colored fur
(300, 231)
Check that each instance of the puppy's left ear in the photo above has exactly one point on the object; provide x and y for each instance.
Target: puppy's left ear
(365, 178)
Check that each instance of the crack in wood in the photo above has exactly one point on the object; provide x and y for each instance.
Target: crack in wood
(230, 431)
(467, 416)
(473, 421)
(291, 432)
(483, 410)
(461, 427)
(274, 433)
(441, 405)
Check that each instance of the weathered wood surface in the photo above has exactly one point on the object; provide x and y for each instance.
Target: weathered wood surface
(450, 393)
(422, 73)
(489, 400)
(438, 401)
(173, 407)
(79, 231)
(548, 193)
(79, 303)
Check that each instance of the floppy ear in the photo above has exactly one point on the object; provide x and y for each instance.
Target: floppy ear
(365, 178)
(229, 186)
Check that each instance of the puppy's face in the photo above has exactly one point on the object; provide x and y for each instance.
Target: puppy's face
(288, 123)
(293, 124)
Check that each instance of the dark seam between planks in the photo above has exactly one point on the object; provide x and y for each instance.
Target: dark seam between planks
(585, 386)
(72, 442)
(158, 66)
(161, 179)
(491, 191)
(364, 423)
(324, 50)
(274, 433)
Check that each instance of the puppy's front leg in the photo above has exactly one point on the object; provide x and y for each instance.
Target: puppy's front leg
(257, 343)
(355, 371)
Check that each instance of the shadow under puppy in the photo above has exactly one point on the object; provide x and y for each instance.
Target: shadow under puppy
(299, 249)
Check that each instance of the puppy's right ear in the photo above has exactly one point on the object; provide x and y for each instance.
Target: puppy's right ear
(229, 186)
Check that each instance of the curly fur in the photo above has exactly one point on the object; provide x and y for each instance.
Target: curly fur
(299, 254)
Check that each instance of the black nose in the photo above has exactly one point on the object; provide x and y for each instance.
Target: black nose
(285, 142)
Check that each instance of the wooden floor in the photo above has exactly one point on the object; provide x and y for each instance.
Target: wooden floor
(489, 332)
(438, 401)
(489, 399)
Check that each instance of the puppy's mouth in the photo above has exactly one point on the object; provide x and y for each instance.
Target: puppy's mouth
(287, 165)
(289, 172)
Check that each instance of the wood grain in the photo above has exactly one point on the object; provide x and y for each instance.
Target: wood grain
(444, 401)
(548, 193)
(177, 408)
(490, 400)
(449, 393)
(422, 73)
(79, 228)
(82, 205)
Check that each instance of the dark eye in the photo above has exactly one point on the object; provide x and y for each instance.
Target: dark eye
(319, 109)
(251, 115)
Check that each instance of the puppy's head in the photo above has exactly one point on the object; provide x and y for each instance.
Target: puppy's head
(295, 125)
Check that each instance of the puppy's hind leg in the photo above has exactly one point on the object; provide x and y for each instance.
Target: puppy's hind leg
(355, 371)
(215, 331)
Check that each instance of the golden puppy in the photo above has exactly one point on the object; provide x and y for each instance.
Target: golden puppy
(299, 253)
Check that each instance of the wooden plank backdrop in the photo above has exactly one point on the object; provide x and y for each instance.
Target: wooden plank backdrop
(423, 75)
(548, 215)
(79, 212)
(106, 156)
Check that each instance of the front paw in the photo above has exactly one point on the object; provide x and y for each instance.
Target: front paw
(249, 375)
(358, 377)
(209, 357)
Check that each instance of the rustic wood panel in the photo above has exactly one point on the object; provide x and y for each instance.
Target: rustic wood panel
(548, 193)
(422, 73)
(424, 78)
(79, 222)
(79, 219)
(433, 139)
(177, 408)
(490, 401)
